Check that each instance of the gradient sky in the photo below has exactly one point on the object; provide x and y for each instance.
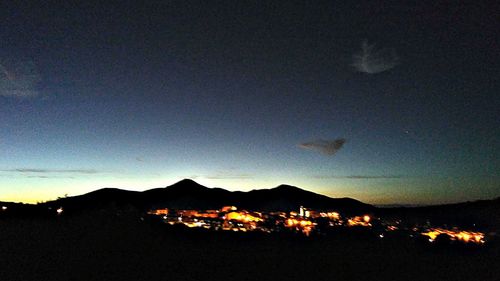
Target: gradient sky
(245, 95)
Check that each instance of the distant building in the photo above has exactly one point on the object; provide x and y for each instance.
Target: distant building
(228, 208)
(159, 212)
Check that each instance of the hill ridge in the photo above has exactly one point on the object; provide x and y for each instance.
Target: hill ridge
(188, 193)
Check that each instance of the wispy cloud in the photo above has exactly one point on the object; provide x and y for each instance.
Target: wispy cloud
(222, 176)
(48, 171)
(372, 60)
(229, 177)
(49, 177)
(358, 177)
(39, 177)
(18, 79)
(328, 147)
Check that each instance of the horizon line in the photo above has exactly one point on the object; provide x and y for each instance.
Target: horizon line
(378, 205)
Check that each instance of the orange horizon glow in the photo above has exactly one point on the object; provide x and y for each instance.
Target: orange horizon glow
(51, 192)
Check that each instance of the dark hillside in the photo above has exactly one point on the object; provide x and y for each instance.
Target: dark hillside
(103, 246)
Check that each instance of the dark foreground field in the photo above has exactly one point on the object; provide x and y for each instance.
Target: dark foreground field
(93, 247)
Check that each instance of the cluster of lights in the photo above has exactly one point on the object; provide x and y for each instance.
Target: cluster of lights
(304, 225)
(242, 216)
(298, 222)
(392, 228)
(330, 215)
(360, 221)
(460, 235)
(229, 218)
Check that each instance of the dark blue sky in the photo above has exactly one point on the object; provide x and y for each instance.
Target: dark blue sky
(246, 95)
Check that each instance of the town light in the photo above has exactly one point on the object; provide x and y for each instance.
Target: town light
(460, 235)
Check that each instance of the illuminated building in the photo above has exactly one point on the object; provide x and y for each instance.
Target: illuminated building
(304, 212)
(209, 214)
(241, 220)
(359, 221)
(158, 212)
(242, 216)
(228, 208)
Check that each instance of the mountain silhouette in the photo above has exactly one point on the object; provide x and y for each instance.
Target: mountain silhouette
(188, 194)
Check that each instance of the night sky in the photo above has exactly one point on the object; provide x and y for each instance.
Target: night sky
(385, 103)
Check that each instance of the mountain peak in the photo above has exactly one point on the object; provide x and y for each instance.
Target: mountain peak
(186, 181)
(286, 187)
(186, 184)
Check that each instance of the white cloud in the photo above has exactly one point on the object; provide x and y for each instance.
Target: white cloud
(372, 60)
